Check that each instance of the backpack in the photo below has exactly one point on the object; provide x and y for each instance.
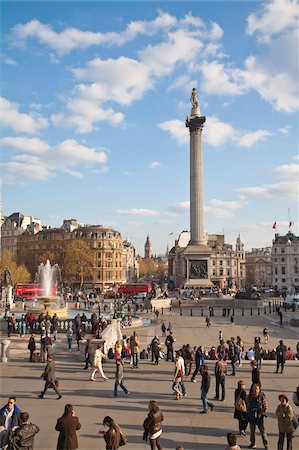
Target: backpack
(240, 404)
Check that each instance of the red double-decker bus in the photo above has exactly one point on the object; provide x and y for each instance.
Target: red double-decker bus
(131, 289)
(29, 291)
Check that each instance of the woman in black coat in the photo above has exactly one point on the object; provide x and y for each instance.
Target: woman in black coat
(240, 412)
(67, 426)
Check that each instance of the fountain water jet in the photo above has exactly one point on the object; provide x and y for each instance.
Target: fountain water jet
(50, 279)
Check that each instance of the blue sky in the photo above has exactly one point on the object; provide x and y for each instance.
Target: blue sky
(94, 99)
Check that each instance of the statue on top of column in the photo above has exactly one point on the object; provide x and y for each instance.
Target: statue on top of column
(194, 98)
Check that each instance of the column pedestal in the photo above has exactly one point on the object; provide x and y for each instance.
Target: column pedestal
(4, 350)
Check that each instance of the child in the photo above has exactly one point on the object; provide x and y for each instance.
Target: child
(232, 442)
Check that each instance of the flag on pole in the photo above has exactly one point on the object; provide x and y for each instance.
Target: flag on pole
(274, 225)
(170, 233)
(291, 223)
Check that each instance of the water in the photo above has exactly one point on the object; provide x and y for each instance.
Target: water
(48, 276)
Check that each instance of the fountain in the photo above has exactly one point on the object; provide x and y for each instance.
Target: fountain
(50, 278)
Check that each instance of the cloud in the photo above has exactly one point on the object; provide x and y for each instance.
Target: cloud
(273, 18)
(40, 161)
(285, 130)
(137, 212)
(216, 133)
(288, 170)
(8, 60)
(155, 165)
(222, 209)
(72, 38)
(11, 118)
(221, 80)
(179, 208)
(284, 190)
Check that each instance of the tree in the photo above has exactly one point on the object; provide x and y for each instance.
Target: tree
(19, 272)
(147, 267)
(78, 262)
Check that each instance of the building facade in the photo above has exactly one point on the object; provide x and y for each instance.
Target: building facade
(259, 267)
(12, 227)
(226, 265)
(111, 254)
(285, 256)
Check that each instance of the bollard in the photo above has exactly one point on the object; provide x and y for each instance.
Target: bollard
(242, 311)
(191, 312)
(181, 312)
(258, 311)
(265, 309)
(273, 309)
(233, 311)
(162, 312)
(251, 311)
(201, 311)
(4, 350)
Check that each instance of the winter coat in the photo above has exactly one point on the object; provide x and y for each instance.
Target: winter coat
(67, 426)
(23, 437)
(31, 344)
(49, 373)
(256, 407)
(112, 439)
(153, 422)
(206, 382)
(15, 416)
(285, 415)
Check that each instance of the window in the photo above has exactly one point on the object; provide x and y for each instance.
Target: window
(221, 272)
(283, 280)
(275, 270)
(214, 263)
(282, 259)
(228, 272)
(99, 275)
(275, 250)
(283, 270)
(214, 273)
(221, 262)
(282, 250)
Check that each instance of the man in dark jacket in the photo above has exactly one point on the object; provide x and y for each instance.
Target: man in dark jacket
(88, 354)
(220, 374)
(67, 425)
(199, 361)
(281, 352)
(205, 386)
(169, 344)
(22, 437)
(31, 346)
(256, 412)
(255, 373)
(11, 413)
(49, 376)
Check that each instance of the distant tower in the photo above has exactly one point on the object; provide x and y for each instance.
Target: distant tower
(148, 251)
(240, 251)
(167, 251)
(240, 256)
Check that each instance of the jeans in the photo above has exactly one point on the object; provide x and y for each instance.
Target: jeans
(279, 362)
(220, 381)
(170, 355)
(233, 364)
(281, 441)
(197, 367)
(261, 427)
(69, 343)
(205, 400)
(135, 359)
(121, 384)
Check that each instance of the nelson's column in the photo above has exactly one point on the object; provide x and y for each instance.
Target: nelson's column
(197, 253)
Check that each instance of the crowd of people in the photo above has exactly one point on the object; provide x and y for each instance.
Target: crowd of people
(250, 405)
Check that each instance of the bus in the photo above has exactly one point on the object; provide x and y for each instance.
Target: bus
(30, 291)
(132, 289)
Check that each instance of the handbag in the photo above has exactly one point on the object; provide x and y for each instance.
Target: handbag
(180, 374)
(123, 439)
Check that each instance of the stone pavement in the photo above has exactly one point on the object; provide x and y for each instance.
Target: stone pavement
(183, 424)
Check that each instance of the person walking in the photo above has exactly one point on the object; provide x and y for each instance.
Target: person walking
(22, 436)
(88, 354)
(257, 407)
(50, 379)
(240, 412)
(199, 361)
(281, 353)
(99, 355)
(31, 347)
(170, 340)
(67, 425)
(178, 379)
(285, 416)
(220, 374)
(47, 347)
(233, 351)
(153, 425)
(69, 336)
(119, 377)
(258, 353)
(163, 329)
(155, 349)
(114, 438)
(135, 349)
(205, 387)
(266, 335)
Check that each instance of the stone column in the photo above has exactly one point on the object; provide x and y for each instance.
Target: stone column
(4, 350)
(195, 124)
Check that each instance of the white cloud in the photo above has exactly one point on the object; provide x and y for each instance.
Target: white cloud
(221, 80)
(177, 130)
(137, 212)
(288, 170)
(11, 118)
(155, 165)
(8, 60)
(284, 130)
(284, 190)
(275, 17)
(179, 208)
(222, 209)
(46, 160)
(216, 133)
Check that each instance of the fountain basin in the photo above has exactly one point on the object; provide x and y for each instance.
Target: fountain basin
(50, 305)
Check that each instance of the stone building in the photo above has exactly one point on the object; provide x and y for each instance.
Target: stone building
(130, 262)
(107, 245)
(259, 267)
(285, 255)
(226, 265)
(12, 227)
(148, 251)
